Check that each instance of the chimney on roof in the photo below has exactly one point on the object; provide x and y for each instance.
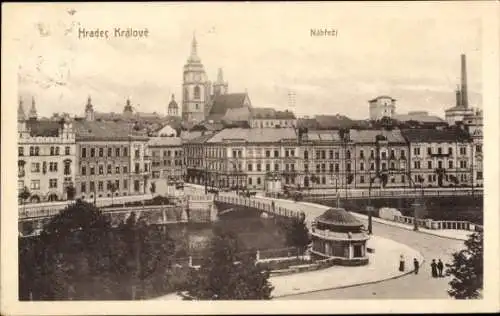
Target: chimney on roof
(463, 91)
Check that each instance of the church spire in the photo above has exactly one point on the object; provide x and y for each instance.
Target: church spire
(33, 114)
(194, 50)
(220, 76)
(20, 111)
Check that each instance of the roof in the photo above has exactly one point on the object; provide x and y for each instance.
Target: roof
(270, 113)
(458, 108)
(255, 135)
(105, 130)
(309, 123)
(164, 141)
(382, 97)
(173, 105)
(319, 136)
(227, 101)
(43, 128)
(338, 217)
(369, 135)
(203, 138)
(334, 121)
(435, 135)
(237, 114)
(419, 117)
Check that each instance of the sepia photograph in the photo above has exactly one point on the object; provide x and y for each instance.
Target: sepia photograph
(332, 157)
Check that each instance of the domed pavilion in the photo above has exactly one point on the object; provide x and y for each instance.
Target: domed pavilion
(338, 234)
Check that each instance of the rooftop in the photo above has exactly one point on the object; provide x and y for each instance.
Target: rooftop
(43, 128)
(382, 97)
(369, 135)
(419, 117)
(255, 135)
(105, 130)
(434, 135)
(164, 141)
(338, 217)
(224, 102)
(319, 136)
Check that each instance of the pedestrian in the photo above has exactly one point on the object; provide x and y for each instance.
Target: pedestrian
(416, 265)
(434, 268)
(440, 267)
(401, 263)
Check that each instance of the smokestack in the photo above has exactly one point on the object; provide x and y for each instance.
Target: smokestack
(463, 91)
(458, 96)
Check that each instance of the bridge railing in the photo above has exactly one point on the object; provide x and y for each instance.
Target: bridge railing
(389, 192)
(433, 224)
(265, 206)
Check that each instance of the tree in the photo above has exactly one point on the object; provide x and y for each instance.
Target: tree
(23, 195)
(225, 275)
(467, 269)
(297, 234)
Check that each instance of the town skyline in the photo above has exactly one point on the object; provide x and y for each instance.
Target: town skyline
(329, 74)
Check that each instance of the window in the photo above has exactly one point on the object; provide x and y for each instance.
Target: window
(250, 167)
(318, 154)
(67, 168)
(101, 169)
(136, 154)
(292, 167)
(306, 154)
(32, 151)
(92, 186)
(318, 168)
(37, 151)
(100, 186)
(479, 148)
(450, 164)
(384, 154)
(403, 179)
(276, 153)
(109, 169)
(52, 183)
(92, 170)
(292, 153)
(117, 169)
(84, 152)
(348, 167)
(463, 151)
(125, 184)
(440, 151)
(83, 187)
(136, 169)
(440, 164)
(393, 166)
(429, 164)
(403, 154)
(35, 167)
(101, 152)
(259, 167)
(331, 154)
(361, 166)
(306, 167)
(110, 152)
(323, 180)
(479, 175)
(337, 167)
(323, 154)
(146, 167)
(450, 151)
(66, 151)
(258, 180)
(276, 167)
(117, 185)
(268, 167)
(84, 170)
(429, 177)
(57, 151)
(393, 155)
(463, 164)
(268, 153)
(35, 184)
(361, 179)
(348, 154)
(336, 155)
(331, 167)
(361, 154)
(136, 185)
(20, 151)
(372, 166)
(117, 152)
(197, 93)
(416, 164)
(372, 154)
(92, 152)
(250, 180)
(429, 150)
(108, 185)
(416, 151)
(234, 153)
(125, 152)
(52, 152)
(384, 166)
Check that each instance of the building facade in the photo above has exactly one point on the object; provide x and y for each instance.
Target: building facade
(46, 158)
(382, 106)
(167, 160)
(111, 160)
(474, 126)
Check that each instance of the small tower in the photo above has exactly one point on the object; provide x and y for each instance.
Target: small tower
(33, 114)
(220, 87)
(89, 110)
(20, 111)
(127, 110)
(173, 108)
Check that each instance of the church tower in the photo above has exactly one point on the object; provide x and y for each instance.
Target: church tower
(20, 111)
(173, 108)
(33, 113)
(194, 87)
(220, 86)
(89, 110)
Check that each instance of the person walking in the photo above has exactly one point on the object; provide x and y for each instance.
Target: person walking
(440, 267)
(401, 263)
(434, 268)
(416, 265)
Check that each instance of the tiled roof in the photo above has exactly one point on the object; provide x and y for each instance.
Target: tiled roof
(254, 135)
(164, 141)
(419, 117)
(105, 130)
(334, 121)
(369, 135)
(451, 135)
(43, 128)
(338, 217)
(227, 101)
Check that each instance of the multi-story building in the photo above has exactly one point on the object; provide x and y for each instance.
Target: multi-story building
(167, 160)
(382, 106)
(439, 158)
(474, 126)
(195, 155)
(46, 157)
(270, 118)
(379, 154)
(111, 159)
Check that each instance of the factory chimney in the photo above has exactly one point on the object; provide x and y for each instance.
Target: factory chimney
(463, 91)
(458, 96)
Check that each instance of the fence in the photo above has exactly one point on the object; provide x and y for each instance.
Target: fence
(432, 224)
(258, 204)
(390, 193)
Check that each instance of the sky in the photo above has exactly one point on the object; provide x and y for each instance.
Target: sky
(408, 51)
